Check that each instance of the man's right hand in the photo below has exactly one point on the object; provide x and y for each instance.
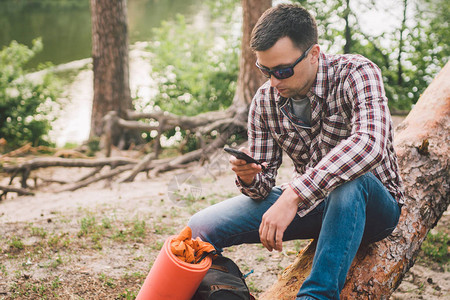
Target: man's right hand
(244, 170)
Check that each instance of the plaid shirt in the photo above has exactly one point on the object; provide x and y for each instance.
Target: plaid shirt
(351, 133)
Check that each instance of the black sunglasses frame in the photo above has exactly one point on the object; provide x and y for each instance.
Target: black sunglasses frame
(287, 70)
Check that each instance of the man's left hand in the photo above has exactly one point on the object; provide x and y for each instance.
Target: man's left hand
(277, 219)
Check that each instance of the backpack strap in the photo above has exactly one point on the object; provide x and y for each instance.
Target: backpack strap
(222, 287)
(220, 268)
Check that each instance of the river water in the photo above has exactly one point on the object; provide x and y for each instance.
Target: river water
(65, 25)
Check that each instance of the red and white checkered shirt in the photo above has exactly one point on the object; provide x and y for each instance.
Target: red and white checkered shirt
(351, 133)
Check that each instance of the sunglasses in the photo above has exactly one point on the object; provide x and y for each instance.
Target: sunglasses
(283, 73)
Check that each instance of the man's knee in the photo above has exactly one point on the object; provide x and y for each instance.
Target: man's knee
(198, 226)
(348, 193)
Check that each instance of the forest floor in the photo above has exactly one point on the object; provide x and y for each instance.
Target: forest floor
(100, 242)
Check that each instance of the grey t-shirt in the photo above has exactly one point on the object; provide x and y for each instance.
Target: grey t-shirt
(301, 108)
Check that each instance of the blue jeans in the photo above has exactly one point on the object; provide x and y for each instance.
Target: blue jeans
(359, 211)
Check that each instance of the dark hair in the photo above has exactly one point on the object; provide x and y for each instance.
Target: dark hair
(284, 20)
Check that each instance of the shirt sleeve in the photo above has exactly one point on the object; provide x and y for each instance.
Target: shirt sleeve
(263, 148)
(357, 154)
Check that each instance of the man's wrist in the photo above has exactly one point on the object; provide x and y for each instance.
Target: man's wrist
(246, 182)
(292, 195)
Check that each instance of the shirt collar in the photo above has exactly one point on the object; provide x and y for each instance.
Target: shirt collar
(320, 85)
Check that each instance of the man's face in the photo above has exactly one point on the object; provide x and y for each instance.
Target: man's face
(284, 54)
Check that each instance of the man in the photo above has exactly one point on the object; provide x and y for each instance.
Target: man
(329, 114)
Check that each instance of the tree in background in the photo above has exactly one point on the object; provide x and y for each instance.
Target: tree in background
(110, 63)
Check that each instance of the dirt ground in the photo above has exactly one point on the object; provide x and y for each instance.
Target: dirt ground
(100, 242)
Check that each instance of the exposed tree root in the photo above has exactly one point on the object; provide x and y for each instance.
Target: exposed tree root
(20, 191)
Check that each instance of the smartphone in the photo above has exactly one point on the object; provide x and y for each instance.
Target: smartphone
(241, 155)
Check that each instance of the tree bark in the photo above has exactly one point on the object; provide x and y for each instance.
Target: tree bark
(422, 145)
(348, 31)
(401, 44)
(249, 79)
(110, 62)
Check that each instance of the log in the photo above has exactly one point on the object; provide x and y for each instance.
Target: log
(422, 145)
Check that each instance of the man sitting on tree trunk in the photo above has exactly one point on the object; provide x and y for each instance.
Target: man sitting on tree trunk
(329, 113)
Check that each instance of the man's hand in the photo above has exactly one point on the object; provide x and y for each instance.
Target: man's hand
(244, 170)
(277, 219)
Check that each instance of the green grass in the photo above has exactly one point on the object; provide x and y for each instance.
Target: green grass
(128, 295)
(108, 281)
(16, 243)
(87, 225)
(106, 223)
(56, 283)
(435, 247)
(3, 270)
(139, 229)
(37, 231)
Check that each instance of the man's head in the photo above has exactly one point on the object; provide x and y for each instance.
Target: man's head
(284, 20)
(285, 43)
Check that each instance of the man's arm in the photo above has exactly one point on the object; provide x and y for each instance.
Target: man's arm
(263, 148)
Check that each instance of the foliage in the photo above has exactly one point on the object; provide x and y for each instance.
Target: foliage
(25, 104)
(430, 38)
(436, 247)
(195, 71)
(408, 64)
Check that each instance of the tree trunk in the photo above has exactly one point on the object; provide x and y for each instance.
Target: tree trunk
(422, 145)
(250, 79)
(110, 60)
(401, 44)
(348, 31)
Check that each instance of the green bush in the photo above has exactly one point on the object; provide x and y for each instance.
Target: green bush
(195, 70)
(25, 104)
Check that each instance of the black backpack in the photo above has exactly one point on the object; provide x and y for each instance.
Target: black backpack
(223, 281)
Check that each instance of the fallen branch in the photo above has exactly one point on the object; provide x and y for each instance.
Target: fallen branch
(185, 122)
(19, 191)
(110, 174)
(90, 174)
(139, 167)
(45, 162)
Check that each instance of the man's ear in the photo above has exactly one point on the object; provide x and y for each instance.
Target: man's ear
(315, 52)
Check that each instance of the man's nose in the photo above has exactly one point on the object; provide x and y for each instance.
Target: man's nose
(274, 82)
